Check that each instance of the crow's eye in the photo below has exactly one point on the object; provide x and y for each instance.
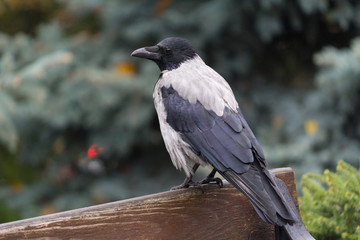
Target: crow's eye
(167, 51)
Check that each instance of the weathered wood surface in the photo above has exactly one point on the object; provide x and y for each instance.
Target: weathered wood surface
(183, 214)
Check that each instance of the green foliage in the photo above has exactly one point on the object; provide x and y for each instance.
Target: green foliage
(56, 102)
(330, 203)
(25, 16)
(324, 122)
(7, 214)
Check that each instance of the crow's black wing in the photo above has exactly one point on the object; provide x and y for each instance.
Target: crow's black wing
(228, 144)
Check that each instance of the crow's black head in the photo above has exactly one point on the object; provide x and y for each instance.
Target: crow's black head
(167, 54)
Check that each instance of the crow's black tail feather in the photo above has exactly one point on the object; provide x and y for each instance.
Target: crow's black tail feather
(296, 230)
(271, 200)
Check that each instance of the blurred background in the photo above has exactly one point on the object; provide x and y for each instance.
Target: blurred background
(77, 122)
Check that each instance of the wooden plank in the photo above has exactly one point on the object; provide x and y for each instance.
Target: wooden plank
(218, 213)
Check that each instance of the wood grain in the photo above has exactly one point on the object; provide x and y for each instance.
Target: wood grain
(218, 213)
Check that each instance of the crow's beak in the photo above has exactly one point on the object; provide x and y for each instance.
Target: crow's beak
(151, 53)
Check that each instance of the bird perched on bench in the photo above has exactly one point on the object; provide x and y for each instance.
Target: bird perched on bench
(201, 124)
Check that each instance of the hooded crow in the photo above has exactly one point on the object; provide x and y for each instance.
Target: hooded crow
(201, 124)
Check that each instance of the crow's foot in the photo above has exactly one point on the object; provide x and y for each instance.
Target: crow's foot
(212, 180)
(188, 183)
(185, 184)
(188, 180)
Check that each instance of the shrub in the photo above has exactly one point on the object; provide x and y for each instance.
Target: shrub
(330, 203)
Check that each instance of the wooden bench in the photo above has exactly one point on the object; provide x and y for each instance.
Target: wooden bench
(218, 213)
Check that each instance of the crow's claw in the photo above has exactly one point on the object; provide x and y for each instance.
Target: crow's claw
(210, 179)
(213, 180)
(188, 180)
(185, 184)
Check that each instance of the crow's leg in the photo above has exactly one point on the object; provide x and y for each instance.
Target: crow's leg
(188, 180)
(210, 179)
